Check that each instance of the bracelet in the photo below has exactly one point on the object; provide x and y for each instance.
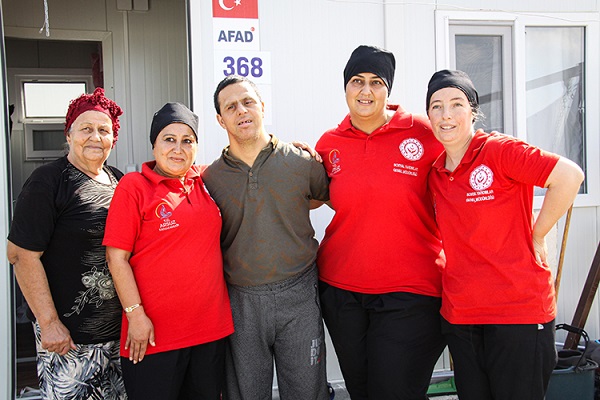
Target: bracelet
(131, 308)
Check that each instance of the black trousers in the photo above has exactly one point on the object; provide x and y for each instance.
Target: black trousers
(501, 362)
(191, 373)
(387, 344)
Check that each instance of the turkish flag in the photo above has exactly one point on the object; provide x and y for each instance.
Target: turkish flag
(235, 9)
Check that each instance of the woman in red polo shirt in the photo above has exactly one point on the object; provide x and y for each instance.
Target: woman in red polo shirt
(163, 250)
(498, 303)
(380, 261)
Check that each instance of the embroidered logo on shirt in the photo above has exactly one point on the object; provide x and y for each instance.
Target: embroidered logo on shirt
(163, 211)
(400, 168)
(411, 149)
(334, 159)
(481, 178)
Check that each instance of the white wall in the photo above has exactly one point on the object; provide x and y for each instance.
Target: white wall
(310, 42)
(146, 64)
(150, 68)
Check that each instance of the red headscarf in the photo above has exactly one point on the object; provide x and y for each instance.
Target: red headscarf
(94, 102)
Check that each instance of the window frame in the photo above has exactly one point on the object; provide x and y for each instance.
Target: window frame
(77, 76)
(473, 28)
(28, 125)
(43, 82)
(518, 22)
(49, 154)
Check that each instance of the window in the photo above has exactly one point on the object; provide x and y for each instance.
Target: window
(44, 141)
(49, 99)
(531, 75)
(41, 109)
(483, 52)
(555, 90)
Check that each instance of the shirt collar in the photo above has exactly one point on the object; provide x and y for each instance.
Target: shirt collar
(267, 150)
(479, 139)
(156, 178)
(400, 120)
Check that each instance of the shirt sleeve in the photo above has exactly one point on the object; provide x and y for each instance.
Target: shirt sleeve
(35, 215)
(124, 218)
(319, 181)
(525, 163)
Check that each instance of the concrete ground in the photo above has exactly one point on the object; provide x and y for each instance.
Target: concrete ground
(342, 394)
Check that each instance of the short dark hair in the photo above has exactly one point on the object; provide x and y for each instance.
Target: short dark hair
(230, 80)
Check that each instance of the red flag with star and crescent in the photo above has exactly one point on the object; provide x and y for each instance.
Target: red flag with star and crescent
(235, 9)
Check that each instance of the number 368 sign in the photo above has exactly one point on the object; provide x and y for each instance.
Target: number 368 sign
(255, 65)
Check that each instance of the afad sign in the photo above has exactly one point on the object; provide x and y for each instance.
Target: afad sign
(235, 9)
(235, 25)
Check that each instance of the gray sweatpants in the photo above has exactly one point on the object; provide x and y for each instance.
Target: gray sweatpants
(278, 322)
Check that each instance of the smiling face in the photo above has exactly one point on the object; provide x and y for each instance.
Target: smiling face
(241, 113)
(451, 117)
(175, 150)
(366, 95)
(90, 138)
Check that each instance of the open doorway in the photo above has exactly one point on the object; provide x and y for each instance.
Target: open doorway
(37, 139)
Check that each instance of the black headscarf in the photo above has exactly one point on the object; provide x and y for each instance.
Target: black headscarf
(374, 60)
(171, 113)
(456, 79)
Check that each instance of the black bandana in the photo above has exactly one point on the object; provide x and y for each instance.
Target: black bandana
(373, 60)
(456, 79)
(170, 113)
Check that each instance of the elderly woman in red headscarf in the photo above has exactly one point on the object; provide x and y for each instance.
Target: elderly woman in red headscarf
(55, 246)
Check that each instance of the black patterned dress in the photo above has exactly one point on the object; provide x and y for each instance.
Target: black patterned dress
(62, 212)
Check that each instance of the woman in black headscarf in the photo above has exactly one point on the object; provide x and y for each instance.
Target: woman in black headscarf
(498, 302)
(379, 263)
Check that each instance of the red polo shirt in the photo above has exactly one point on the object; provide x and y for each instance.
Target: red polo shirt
(484, 212)
(173, 236)
(383, 236)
